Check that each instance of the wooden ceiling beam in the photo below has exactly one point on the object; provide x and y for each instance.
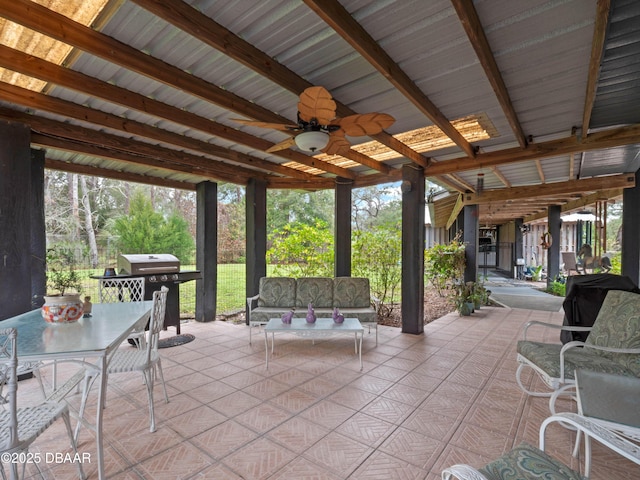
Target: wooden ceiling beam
(603, 8)
(74, 133)
(115, 174)
(581, 202)
(540, 171)
(478, 40)
(47, 141)
(501, 177)
(205, 29)
(49, 72)
(586, 185)
(339, 19)
(38, 101)
(64, 29)
(59, 27)
(291, 183)
(614, 137)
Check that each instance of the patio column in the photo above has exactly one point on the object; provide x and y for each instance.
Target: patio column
(470, 238)
(413, 205)
(342, 235)
(206, 250)
(631, 231)
(38, 231)
(15, 218)
(256, 235)
(553, 254)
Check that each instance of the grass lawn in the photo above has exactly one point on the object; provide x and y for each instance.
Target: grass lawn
(231, 288)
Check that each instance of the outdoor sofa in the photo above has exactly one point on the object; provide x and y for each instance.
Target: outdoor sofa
(278, 295)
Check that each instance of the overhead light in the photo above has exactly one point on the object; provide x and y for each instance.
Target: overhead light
(312, 141)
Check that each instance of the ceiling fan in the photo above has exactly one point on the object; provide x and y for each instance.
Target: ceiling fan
(318, 128)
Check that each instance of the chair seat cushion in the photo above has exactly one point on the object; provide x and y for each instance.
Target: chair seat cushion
(526, 461)
(547, 357)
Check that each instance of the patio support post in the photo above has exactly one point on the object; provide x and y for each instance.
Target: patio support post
(518, 250)
(256, 266)
(15, 218)
(413, 205)
(206, 250)
(38, 231)
(342, 235)
(553, 254)
(470, 239)
(630, 258)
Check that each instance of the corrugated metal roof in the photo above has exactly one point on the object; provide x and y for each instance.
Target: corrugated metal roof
(542, 50)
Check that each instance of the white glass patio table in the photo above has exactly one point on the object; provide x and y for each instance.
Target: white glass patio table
(323, 327)
(95, 337)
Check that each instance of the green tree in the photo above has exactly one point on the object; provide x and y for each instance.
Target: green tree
(376, 254)
(293, 206)
(145, 231)
(302, 250)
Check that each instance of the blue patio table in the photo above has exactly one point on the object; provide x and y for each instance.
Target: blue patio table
(95, 337)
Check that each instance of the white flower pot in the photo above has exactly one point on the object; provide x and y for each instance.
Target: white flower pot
(62, 308)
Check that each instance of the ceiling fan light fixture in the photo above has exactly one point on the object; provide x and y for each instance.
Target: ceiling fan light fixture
(312, 141)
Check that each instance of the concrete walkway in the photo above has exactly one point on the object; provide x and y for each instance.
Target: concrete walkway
(512, 293)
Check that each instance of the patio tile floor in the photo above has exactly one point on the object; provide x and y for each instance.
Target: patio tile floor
(421, 403)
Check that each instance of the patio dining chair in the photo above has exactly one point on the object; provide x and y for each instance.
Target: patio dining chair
(147, 360)
(20, 426)
(611, 403)
(613, 346)
(112, 290)
(528, 462)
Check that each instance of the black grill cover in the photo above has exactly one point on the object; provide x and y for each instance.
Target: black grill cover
(585, 295)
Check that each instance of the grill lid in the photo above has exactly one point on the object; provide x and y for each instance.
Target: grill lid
(144, 263)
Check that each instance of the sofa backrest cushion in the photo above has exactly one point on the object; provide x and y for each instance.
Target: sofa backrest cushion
(277, 292)
(317, 291)
(351, 292)
(618, 326)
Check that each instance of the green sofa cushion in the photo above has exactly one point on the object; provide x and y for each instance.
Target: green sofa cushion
(277, 292)
(527, 462)
(351, 292)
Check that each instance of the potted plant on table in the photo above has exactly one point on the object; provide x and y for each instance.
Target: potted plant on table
(62, 303)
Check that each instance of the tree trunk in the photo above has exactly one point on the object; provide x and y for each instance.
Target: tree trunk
(73, 202)
(88, 223)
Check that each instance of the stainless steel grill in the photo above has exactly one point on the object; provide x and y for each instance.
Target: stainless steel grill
(158, 270)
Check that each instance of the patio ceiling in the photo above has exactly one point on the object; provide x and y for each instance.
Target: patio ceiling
(540, 98)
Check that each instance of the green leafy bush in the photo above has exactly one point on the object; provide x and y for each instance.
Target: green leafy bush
(61, 273)
(376, 255)
(302, 250)
(557, 288)
(444, 266)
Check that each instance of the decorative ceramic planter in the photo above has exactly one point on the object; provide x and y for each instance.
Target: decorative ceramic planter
(62, 308)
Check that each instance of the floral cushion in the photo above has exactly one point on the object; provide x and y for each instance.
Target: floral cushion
(618, 326)
(547, 357)
(351, 292)
(317, 291)
(277, 292)
(526, 461)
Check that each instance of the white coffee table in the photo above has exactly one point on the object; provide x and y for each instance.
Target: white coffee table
(323, 327)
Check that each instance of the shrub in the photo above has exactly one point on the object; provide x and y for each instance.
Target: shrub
(444, 266)
(376, 255)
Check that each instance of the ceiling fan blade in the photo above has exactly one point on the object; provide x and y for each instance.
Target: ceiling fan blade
(276, 126)
(288, 143)
(316, 102)
(338, 145)
(365, 124)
